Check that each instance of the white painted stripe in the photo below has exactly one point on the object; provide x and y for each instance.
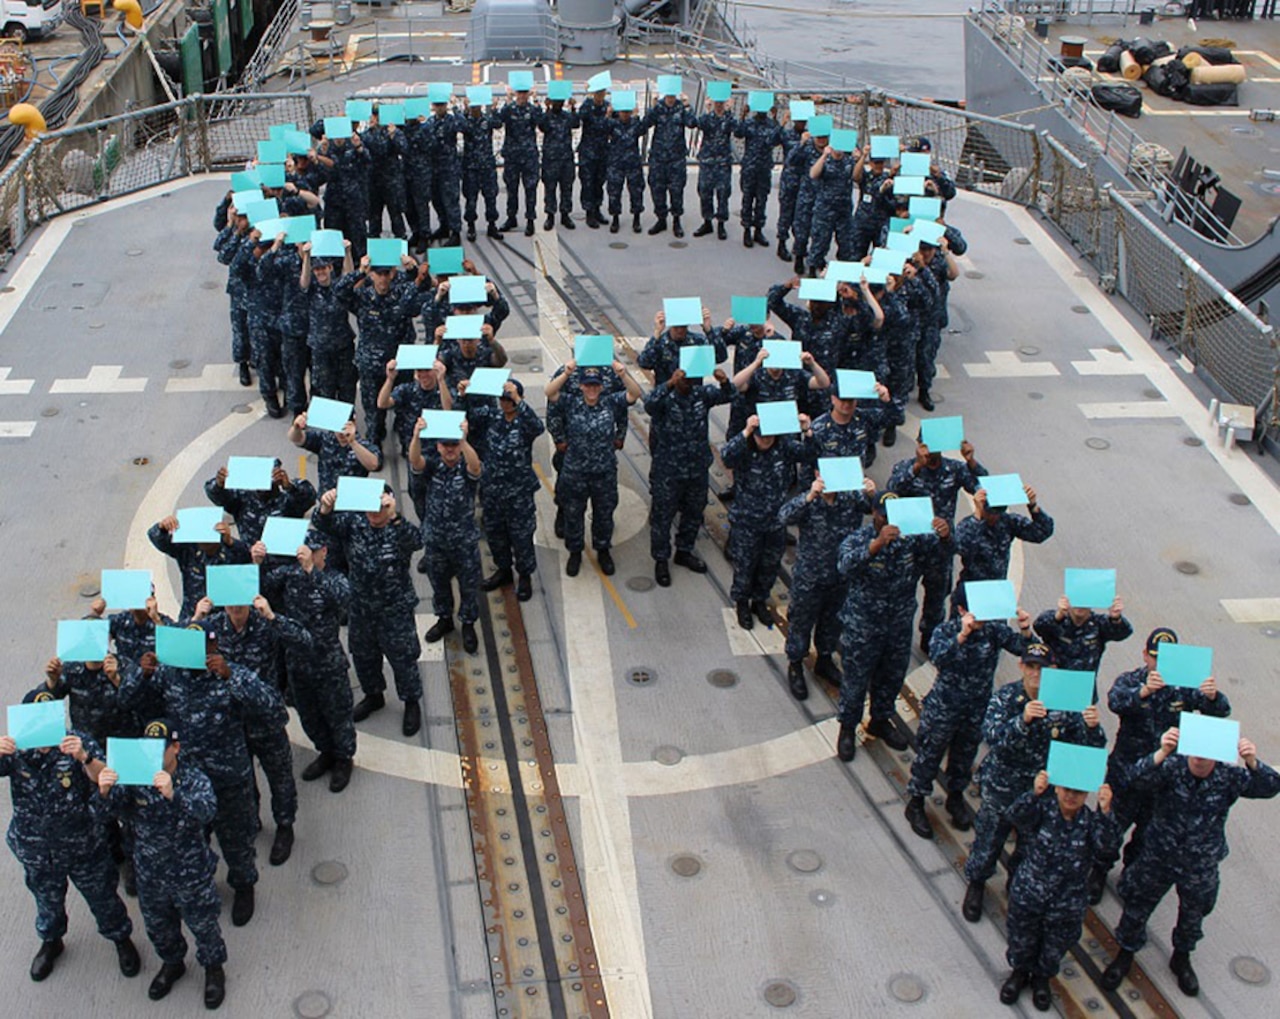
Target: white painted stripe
(1253, 610)
(430, 652)
(1139, 409)
(387, 757)
(759, 640)
(213, 378)
(161, 500)
(1006, 364)
(1107, 362)
(1243, 472)
(14, 387)
(16, 429)
(102, 378)
(1194, 113)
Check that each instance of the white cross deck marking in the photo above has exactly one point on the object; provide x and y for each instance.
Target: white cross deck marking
(1136, 409)
(102, 378)
(16, 429)
(1005, 364)
(1108, 362)
(1253, 610)
(213, 378)
(14, 387)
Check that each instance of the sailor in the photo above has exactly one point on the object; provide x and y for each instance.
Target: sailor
(984, 539)
(444, 126)
(593, 154)
(793, 138)
(557, 125)
(479, 168)
(227, 245)
(846, 428)
(193, 559)
(287, 497)
(832, 174)
(761, 135)
(330, 338)
(624, 165)
(338, 454)
(347, 163)
(668, 153)
(715, 167)
(1079, 636)
(519, 119)
(870, 174)
(387, 146)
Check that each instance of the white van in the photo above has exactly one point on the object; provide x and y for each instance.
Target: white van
(29, 19)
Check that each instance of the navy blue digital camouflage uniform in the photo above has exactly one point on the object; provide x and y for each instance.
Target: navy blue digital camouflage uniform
(1016, 752)
(668, 155)
(174, 862)
(192, 561)
(623, 164)
(761, 135)
(387, 147)
(715, 163)
(479, 166)
(984, 548)
(520, 156)
(757, 537)
(96, 706)
(334, 460)
(746, 345)
(661, 354)
(1080, 647)
(132, 638)
(875, 640)
(952, 713)
(263, 306)
(593, 154)
(452, 539)
(788, 180)
(418, 161)
(508, 484)
(590, 468)
(929, 317)
(872, 214)
(56, 839)
(681, 459)
(211, 714)
(282, 268)
(832, 439)
(330, 338)
(822, 332)
(446, 174)
(318, 670)
(250, 510)
(817, 589)
(346, 192)
(832, 211)
(384, 321)
(941, 484)
(1047, 900)
(1184, 844)
(898, 333)
(557, 127)
(381, 620)
(802, 160)
(1142, 721)
(227, 245)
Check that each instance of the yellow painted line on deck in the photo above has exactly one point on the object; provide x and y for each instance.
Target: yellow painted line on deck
(302, 467)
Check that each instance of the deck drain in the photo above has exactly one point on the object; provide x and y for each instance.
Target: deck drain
(1239, 498)
(618, 245)
(780, 994)
(524, 356)
(822, 897)
(182, 362)
(722, 678)
(329, 872)
(804, 861)
(535, 368)
(1035, 396)
(642, 676)
(1021, 240)
(678, 244)
(7, 290)
(1187, 567)
(1271, 631)
(1080, 309)
(49, 412)
(96, 325)
(90, 590)
(1093, 442)
(1191, 440)
(134, 252)
(1153, 394)
(140, 461)
(668, 755)
(213, 285)
(312, 1005)
(973, 274)
(241, 408)
(686, 865)
(1115, 348)
(906, 987)
(1250, 970)
(1093, 1004)
(640, 583)
(1028, 351)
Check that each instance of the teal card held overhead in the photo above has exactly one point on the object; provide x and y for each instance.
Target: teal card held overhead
(243, 199)
(820, 126)
(284, 535)
(913, 515)
(778, 417)
(126, 589)
(670, 84)
(261, 210)
(271, 151)
(906, 244)
(928, 232)
(991, 599)
(83, 640)
(844, 140)
(942, 434)
(249, 473)
(698, 361)
(464, 327)
(298, 229)
(593, 351)
(488, 381)
(417, 106)
(1003, 489)
(760, 102)
(359, 495)
(34, 726)
(328, 415)
(442, 424)
(682, 311)
(921, 207)
(884, 146)
(246, 180)
(1218, 739)
(749, 311)
(874, 276)
(385, 252)
(271, 174)
(886, 260)
(180, 647)
(439, 92)
(845, 272)
(898, 225)
(915, 164)
(600, 82)
(359, 110)
(337, 128)
(412, 356)
(198, 524)
(782, 354)
(1065, 689)
(468, 290)
(841, 473)
(719, 91)
(907, 185)
(852, 384)
(520, 81)
(232, 585)
(272, 229)
(1071, 766)
(560, 90)
(297, 143)
(276, 132)
(1089, 589)
(1184, 664)
(800, 109)
(623, 102)
(480, 95)
(390, 113)
(327, 244)
(445, 261)
(135, 761)
(818, 289)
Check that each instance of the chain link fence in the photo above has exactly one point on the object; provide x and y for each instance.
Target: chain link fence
(1187, 308)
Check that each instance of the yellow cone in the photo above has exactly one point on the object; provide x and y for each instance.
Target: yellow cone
(132, 11)
(28, 117)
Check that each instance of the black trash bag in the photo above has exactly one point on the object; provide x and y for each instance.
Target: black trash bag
(1109, 62)
(1222, 93)
(1143, 50)
(1215, 55)
(1123, 99)
(1062, 63)
(1159, 49)
(1157, 80)
(1177, 78)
